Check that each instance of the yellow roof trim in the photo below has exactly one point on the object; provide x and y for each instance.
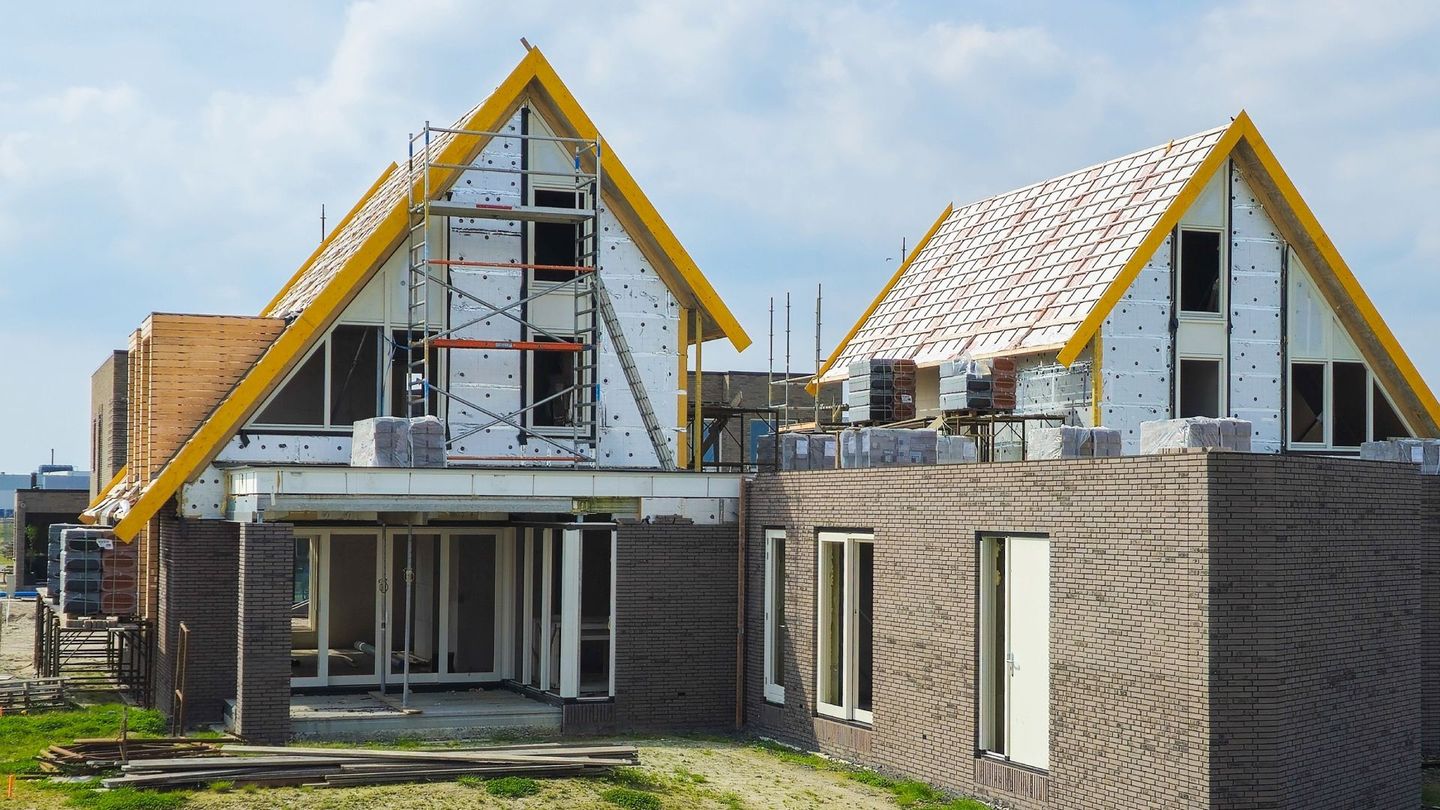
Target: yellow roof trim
(105, 491)
(292, 344)
(618, 178)
(1154, 239)
(324, 243)
(814, 386)
(1337, 266)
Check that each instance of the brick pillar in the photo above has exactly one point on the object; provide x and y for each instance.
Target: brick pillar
(262, 703)
(197, 588)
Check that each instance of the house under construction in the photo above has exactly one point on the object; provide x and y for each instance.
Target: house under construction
(454, 478)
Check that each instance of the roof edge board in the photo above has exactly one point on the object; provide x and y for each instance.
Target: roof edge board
(104, 492)
(814, 385)
(1192, 189)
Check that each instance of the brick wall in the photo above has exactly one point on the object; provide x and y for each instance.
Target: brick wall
(1315, 632)
(198, 561)
(675, 585)
(1430, 621)
(108, 419)
(266, 576)
(1132, 720)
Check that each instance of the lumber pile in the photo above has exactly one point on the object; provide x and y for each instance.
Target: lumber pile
(89, 756)
(275, 766)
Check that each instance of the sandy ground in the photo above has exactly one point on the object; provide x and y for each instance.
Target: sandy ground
(693, 774)
(17, 637)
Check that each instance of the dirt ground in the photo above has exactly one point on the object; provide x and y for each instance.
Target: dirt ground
(686, 773)
(17, 637)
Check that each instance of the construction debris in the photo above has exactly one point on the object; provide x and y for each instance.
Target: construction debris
(274, 766)
(89, 756)
(32, 694)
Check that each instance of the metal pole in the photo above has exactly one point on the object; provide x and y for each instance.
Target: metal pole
(787, 357)
(409, 613)
(817, 356)
(770, 365)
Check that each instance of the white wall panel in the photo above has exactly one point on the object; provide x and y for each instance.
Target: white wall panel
(1256, 254)
(1135, 371)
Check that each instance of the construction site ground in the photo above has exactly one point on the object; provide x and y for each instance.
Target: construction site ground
(17, 638)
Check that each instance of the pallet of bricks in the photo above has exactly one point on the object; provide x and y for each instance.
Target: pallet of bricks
(880, 390)
(98, 574)
(798, 451)
(973, 385)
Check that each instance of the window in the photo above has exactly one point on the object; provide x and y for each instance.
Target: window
(1200, 271)
(1348, 390)
(844, 662)
(1013, 639)
(552, 385)
(556, 243)
(301, 400)
(1307, 403)
(775, 615)
(1199, 388)
(354, 374)
(1384, 422)
(400, 392)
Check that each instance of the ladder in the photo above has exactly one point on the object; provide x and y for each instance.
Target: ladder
(658, 438)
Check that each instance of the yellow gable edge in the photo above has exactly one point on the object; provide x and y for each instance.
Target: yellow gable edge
(1337, 266)
(618, 176)
(205, 443)
(813, 387)
(324, 243)
(1153, 240)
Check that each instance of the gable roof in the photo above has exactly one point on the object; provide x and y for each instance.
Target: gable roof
(340, 267)
(1040, 268)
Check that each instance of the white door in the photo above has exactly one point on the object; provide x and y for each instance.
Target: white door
(1027, 612)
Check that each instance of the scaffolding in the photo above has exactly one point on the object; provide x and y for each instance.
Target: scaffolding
(428, 345)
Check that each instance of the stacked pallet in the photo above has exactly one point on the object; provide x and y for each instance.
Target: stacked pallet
(80, 571)
(880, 390)
(52, 567)
(275, 766)
(119, 573)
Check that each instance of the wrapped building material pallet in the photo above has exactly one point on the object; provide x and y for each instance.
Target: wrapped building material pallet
(798, 451)
(1425, 452)
(886, 447)
(393, 441)
(880, 390)
(1194, 431)
(80, 570)
(956, 450)
(1069, 441)
(427, 442)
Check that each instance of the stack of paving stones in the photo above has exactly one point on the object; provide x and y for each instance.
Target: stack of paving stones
(427, 442)
(52, 560)
(80, 571)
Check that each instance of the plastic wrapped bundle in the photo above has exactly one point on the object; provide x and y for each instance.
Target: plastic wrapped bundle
(1170, 434)
(1425, 452)
(822, 451)
(1106, 442)
(381, 442)
(1065, 441)
(955, 450)
(427, 442)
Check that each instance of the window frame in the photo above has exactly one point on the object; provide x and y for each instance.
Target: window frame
(774, 595)
(993, 702)
(1221, 405)
(324, 347)
(586, 384)
(846, 710)
(1222, 297)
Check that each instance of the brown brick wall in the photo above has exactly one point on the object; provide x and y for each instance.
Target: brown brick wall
(262, 641)
(1430, 620)
(1315, 632)
(1132, 545)
(197, 585)
(675, 586)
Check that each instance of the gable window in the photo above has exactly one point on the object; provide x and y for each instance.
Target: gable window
(556, 243)
(1384, 422)
(845, 598)
(339, 384)
(1199, 388)
(1307, 403)
(775, 615)
(301, 400)
(553, 385)
(1200, 289)
(1013, 637)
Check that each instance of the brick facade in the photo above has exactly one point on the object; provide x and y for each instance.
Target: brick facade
(266, 589)
(1430, 622)
(197, 586)
(109, 419)
(675, 588)
(1187, 665)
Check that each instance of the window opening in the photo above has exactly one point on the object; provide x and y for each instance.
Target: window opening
(1200, 271)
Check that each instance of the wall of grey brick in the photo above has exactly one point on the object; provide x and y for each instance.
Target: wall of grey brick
(198, 560)
(1315, 632)
(266, 588)
(675, 590)
(1133, 683)
(109, 421)
(1430, 620)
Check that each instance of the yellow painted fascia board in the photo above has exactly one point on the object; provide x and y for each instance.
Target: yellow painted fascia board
(106, 490)
(814, 385)
(1337, 266)
(325, 243)
(618, 177)
(1154, 239)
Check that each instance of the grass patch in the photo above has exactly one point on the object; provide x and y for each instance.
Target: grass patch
(126, 799)
(512, 787)
(909, 793)
(22, 736)
(631, 799)
(222, 785)
(690, 776)
(637, 779)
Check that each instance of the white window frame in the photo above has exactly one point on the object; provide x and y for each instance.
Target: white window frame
(1221, 372)
(850, 608)
(1224, 296)
(774, 567)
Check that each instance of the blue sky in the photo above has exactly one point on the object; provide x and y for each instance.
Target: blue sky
(175, 157)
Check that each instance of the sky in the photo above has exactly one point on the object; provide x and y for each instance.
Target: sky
(174, 157)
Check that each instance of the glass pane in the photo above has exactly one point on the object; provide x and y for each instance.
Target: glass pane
(1307, 402)
(354, 374)
(1347, 403)
(537, 606)
(472, 605)
(1199, 388)
(832, 613)
(777, 613)
(556, 243)
(352, 604)
(302, 400)
(423, 593)
(595, 613)
(304, 634)
(865, 625)
(1386, 423)
(1199, 271)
